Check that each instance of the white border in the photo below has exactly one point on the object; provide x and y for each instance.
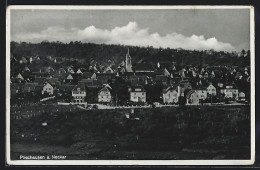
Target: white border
(130, 162)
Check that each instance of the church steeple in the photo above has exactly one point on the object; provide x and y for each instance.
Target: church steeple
(128, 62)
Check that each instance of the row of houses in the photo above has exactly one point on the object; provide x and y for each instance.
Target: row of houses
(169, 94)
(194, 83)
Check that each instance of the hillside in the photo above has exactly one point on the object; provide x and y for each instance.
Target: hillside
(165, 133)
(102, 53)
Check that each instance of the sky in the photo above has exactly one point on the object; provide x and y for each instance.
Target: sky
(199, 29)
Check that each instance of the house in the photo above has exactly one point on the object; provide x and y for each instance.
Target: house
(79, 71)
(70, 69)
(211, 90)
(39, 80)
(136, 80)
(52, 81)
(29, 87)
(48, 88)
(230, 91)
(15, 88)
(241, 96)
(39, 74)
(170, 95)
(20, 77)
(168, 65)
(105, 77)
(166, 72)
(61, 76)
(161, 79)
(62, 71)
(192, 97)
(48, 70)
(69, 78)
(184, 86)
(79, 93)
(202, 92)
(137, 94)
(104, 95)
(144, 68)
(108, 70)
(88, 75)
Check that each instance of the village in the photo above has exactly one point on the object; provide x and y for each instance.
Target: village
(128, 84)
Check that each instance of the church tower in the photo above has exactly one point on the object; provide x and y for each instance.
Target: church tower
(128, 62)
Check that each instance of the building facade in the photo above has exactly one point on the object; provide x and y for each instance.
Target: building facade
(104, 95)
(211, 90)
(192, 97)
(137, 94)
(170, 95)
(79, 93)
(48, 88)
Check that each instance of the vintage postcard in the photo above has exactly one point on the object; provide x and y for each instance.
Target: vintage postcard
(130, 85)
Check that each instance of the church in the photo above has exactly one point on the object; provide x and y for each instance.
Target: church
(128, 62)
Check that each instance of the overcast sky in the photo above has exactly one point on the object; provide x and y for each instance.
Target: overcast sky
(218, 29)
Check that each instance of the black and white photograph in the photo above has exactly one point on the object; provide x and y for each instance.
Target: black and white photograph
(130, 85)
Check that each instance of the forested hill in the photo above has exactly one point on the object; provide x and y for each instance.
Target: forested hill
(102, 53)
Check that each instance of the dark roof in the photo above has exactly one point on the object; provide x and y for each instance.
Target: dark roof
(144, 67)
(81, 86)
(40, 80)
(66, 87)
(199, 87)
(52, 81)
(161, 78)
(27, 86)
(86, 75)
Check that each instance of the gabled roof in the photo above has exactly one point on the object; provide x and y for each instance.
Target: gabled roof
(52, 81)
(69, 77)
(47, 82)
(190, 93)
(169, 88)
(105, 89)
(80, 86)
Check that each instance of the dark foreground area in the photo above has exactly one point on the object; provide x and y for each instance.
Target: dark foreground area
(173, 133)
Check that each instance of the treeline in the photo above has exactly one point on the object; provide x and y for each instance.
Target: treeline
(102, 53)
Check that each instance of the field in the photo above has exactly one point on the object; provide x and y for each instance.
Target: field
(189, 132)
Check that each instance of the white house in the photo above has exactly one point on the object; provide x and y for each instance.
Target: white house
(242, 96)
(137, 94)
(170, 95)
(47, 88)
(230, 91)
(211, 90)
(104, 95)
(202, 93)
(79, 93)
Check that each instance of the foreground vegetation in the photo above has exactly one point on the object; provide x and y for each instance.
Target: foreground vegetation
(194, 132)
